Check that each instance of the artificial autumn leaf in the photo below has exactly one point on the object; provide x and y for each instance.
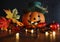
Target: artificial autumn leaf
(17, 16)
(15, 11)
(13, 16)
(4, 23)
(9, 13)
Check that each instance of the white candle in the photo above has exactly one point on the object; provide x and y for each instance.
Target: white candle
(6, 30)
(51, 37)
(1, 28)
(54, 33)
(32, 31)
(17, 37)
(9, 31)
(26, 30)
(46, 33)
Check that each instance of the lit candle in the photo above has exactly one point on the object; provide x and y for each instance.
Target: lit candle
(26, 30)
(17, 37)
(46, 33)
(54, 33)
(6, 30)
(1, 28)
(9, 31)
(38, 35)
(32, 31)
(51, 37)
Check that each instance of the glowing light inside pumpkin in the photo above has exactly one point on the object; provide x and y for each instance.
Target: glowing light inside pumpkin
(32, 22)
(36, 23)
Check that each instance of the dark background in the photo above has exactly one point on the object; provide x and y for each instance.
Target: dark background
(53, 8)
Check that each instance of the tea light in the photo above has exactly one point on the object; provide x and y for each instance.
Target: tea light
(6, 30)
(26, 30)
(46, 33)
(1, 28)
(17, 35)
(54, 33)
(32, 31)
(51, 37)
(9, 31)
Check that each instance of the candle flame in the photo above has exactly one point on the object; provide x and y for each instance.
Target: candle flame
(17, 35)
(32, 31)
(46, 33)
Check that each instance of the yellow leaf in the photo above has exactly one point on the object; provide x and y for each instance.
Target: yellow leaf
(9, 13)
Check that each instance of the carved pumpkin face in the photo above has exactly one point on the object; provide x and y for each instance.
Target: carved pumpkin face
(33, 18)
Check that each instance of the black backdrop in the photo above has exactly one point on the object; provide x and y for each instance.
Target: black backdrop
(53, 8)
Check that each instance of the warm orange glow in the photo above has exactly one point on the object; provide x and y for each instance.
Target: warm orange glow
(32, 31)
(54, 34)
(17, 37)
(46, 33)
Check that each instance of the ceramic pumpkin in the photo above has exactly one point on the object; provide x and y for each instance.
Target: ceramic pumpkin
(33, 18)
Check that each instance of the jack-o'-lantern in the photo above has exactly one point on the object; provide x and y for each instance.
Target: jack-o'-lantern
(33, 18)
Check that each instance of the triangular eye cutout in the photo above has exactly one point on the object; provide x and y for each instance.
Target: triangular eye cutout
(30, 16)
(29, 21)
(34, 18)
(38, 16)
